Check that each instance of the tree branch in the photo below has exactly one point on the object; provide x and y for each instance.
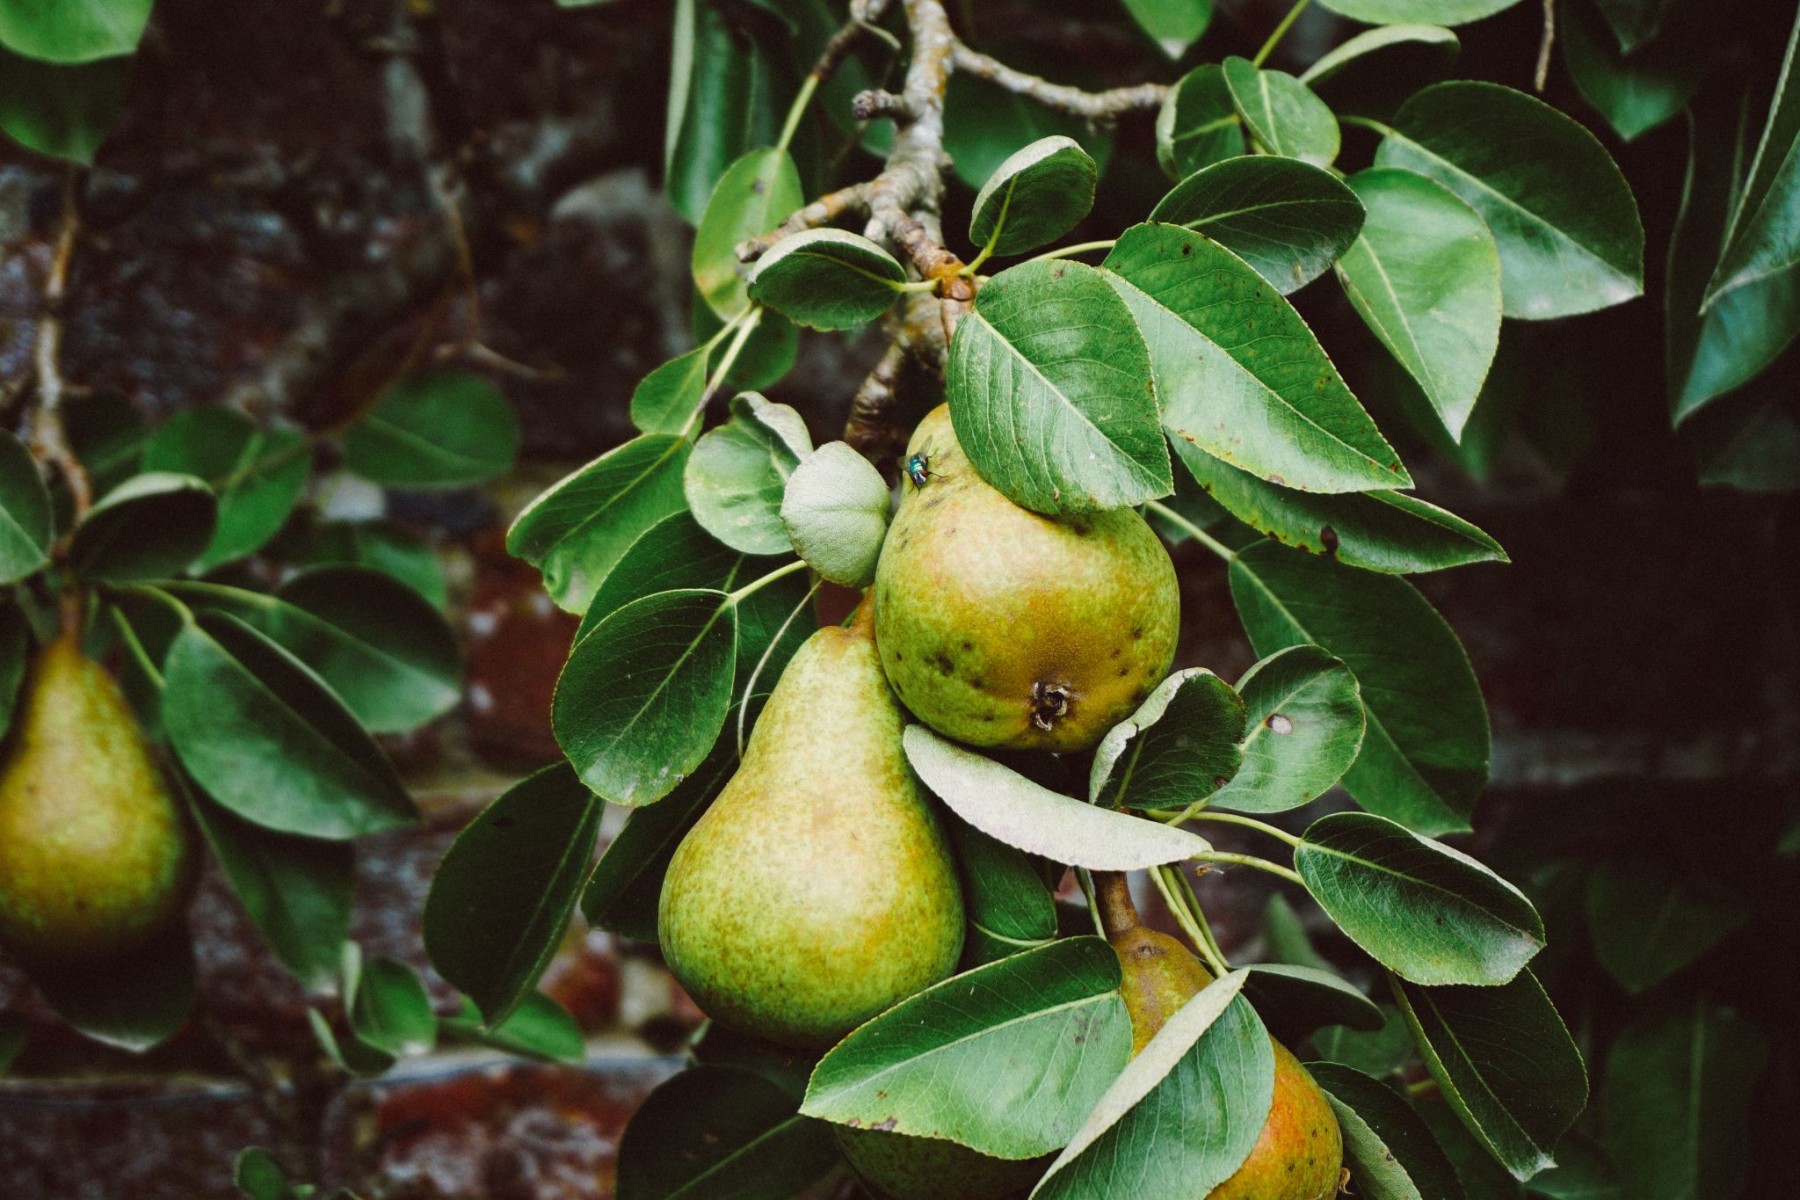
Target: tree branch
(48, 439)
(1093, 106)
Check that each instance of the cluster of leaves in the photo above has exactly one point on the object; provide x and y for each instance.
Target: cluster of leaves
(1075, 388)
(263, 645)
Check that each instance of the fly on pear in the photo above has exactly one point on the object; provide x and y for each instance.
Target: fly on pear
(918, 469)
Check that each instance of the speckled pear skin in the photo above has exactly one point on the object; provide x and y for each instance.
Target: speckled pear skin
(819, 888)
(95, 855)
(1000, 627)
(898, 1167)
(1300, 1153)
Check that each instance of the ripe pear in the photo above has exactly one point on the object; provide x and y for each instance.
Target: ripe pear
(899, 1167)
(1300, 1153)
(1001, 627)
(819, 888)
(95, 855)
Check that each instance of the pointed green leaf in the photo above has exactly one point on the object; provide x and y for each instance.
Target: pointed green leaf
(1288, 219)
(1296, 1000)
(1238, 372)
(1387, 1146)
(1282, 113)
(664, 401)
(1009, 907)
(836, 509)
(25, 521)
(755, 194)
(827, 279)
(1197, 125)
(673, 554)
(1424, 756)
(257, 474)
(1304, 714)
(539, 1028)
(1637, 92)
(1034, 197)
(1007, 1059)
(738, 472)
(1356, 52)
(1561, 213)
(1648, 920)
(1051, 393)
(1173, 25)
(73, 31)
(1763, 238)
(391, 1010)
(134, 1001)
(441, 429)
(1184, 742)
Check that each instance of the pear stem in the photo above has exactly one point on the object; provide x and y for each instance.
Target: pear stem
(72, 605)
(1118, 914)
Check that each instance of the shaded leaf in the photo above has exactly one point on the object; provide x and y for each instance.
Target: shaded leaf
(666, 399)
(1038, 194)
(1401, 12)
(1637, 92)
(436, 430)
(257, 474)
(738, 472)
(1297, 1000)
(717, 1132)
(133, 1001)
(539, 1028)
(390, 1010)
(1288, 219)
(1648, 919)
(64, 111)
(836, 510)
(152, 525)
(1763, 237)
(1182, 744)
(73, 31)
(755, 194)
(1197, 125)
(1009, 907)
(25, 519)
(1281, 113)
(1388, 1147)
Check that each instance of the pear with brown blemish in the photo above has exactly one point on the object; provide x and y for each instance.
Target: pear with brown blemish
(1300, 1153)
(1001, 627)
(96, 857)
(819, 888)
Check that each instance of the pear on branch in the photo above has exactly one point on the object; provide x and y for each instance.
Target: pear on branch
(96, 856)
(819, 888)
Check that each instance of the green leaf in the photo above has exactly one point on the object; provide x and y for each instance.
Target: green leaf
(504, 890)
(441, 429)
(721, 1133)
(1637, 92)
(1635, 22)
(1377, 1052)
(351, 1054)
(1304, 714)
(623, 892)
(1197, 125)
(1009, 907)
(1481, 1177)
(389, 1008)
(673, 554)
(15, 659)
(1213, 1058)
(1581, 1173)
(1019, 812)
(1173, 25)
(1297, 1000)
(835, 510)
(827, 279)
(152, 525)
(1763, 238)
(754, 195)
(1378, 51)
(1425, 277)
(297, 891)
(1428, 912)
(1751, 442)
(1385, 531)
(768, 354)
(1424, 756)
(738, 472)
(575, 532)
(72, 31)
(644, 694)
(1648, 920)
(1288, 219)
(1387, 1146)
(1034, 197)
(1281, 113)
(1505, 1062)
(107, 433)
(728, 88)
(1006, 1059)
(1679, 1101)
(1285, 939)
(62, 111)
(539, 1028)
(1051, 393)
(1562, 216)
(265, 736)
(1238, 372)
(384, 546)
(984, 124)
(387, 653)
(1184, 742)
(26, 527)
(257, 474)
(1743, 331)
(133, 1001)
(665, 400)
(261, 1175)
(1403, 12)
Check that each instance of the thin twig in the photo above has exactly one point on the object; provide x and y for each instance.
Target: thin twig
(49, 440)
(870, 428)
(1544, 46)
(820, 212)
(1093, 106)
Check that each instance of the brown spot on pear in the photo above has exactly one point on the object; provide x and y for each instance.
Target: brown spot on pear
(1034, 608)
(819, 888)
(96, 857)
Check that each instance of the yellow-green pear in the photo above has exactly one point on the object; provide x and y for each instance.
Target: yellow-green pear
(1300, 1153)
(819, 888)
(1001, 627)
(896, 1166)
(95, 855)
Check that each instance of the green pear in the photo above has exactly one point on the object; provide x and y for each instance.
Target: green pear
(819, 889)
(1299, 1155)
(1000, 627)
(95, 855)
(899, 1167)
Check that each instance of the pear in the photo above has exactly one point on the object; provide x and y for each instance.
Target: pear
(819, 888)
(95, 855)
(1299, 1154)
(1000, 627)
(899, 1167)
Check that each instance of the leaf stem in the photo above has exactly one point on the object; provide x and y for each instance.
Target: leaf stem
(1248, 823)
(130, 637)
(1194, 531)
(986, 252)
(1249, 860)
(1367, 123)
(796, 110)
(1191, 920)
(756, 585)
(1066, 251)
(750, 684)
(750, 320)
(1280, 32)
(159, 595)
